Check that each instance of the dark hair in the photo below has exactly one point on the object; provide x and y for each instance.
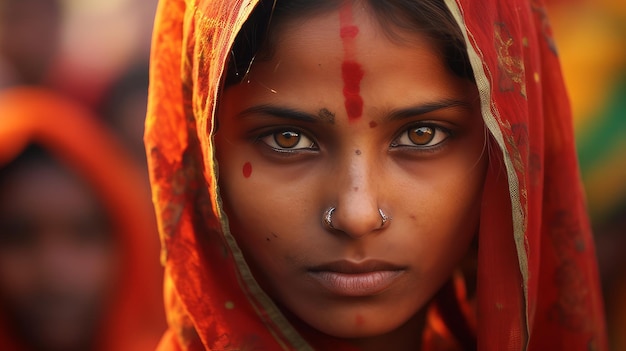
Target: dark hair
(255, 40)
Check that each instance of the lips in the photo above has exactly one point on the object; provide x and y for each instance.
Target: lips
(346, 278)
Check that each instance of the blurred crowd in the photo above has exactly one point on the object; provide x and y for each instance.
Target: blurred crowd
(79, 251)
(591, 38)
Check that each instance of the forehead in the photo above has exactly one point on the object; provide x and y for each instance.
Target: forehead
(326, 32)
(308, 52)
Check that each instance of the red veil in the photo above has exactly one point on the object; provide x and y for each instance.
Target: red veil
(537, 285)
(74, 137)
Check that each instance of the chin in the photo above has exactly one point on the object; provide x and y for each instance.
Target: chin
(352, 333)
(359, 325)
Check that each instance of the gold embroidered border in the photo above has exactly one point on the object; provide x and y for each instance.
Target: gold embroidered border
(491, 118)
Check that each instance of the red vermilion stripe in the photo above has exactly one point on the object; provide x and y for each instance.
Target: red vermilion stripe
(351, 71)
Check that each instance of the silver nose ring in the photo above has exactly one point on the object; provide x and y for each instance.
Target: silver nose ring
(327, 218)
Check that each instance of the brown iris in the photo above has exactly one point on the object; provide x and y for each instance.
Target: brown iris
(421, 135)
(287, 139)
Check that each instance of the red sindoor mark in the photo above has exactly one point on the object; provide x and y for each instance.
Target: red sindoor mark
(359, 320)
(351, 71)
(247, 170)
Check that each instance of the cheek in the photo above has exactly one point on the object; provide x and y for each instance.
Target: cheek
(269, 217)
(443, 214)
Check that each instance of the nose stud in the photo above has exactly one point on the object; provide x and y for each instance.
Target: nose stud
(327, 218)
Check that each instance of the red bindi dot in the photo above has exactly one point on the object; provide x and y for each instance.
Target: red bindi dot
(359, 320)
(373, 124)
(247, 170)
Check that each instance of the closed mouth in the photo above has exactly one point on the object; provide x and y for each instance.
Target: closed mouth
(356, 279)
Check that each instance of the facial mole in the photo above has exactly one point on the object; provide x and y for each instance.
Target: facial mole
(358, 152)
(373, 124)
(326, 116)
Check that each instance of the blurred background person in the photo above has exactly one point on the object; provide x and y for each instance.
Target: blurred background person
(591, 38)
(123, 108)
(79, 263)
(30, 34)
(101, 41)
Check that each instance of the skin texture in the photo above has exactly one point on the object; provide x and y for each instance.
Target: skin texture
(57, 257)
(432, 193)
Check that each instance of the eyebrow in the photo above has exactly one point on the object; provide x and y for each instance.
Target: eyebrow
(293, 114)
(428, 107)
(280, 112)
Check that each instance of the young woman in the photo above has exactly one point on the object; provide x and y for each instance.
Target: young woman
(78, 260)
(325, 171)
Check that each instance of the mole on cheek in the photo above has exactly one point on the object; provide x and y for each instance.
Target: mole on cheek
(358, 152)
(247, 170)
(373, 124)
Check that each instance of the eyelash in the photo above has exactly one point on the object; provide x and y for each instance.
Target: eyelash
(438, 132)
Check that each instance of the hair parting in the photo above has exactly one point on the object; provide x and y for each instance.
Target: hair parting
(257, 38)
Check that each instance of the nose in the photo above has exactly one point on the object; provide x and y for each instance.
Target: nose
(357, 212)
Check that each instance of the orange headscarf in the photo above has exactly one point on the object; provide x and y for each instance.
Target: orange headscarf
(537, 278)
(73, 136)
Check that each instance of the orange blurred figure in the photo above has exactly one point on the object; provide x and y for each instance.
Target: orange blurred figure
(78, 250)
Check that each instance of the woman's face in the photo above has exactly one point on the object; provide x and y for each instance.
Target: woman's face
(341, 116)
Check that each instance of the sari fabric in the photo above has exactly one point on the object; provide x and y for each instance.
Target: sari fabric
(537, 281)
(74, 137)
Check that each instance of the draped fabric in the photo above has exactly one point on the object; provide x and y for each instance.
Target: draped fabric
(74, 137)
(537, 283)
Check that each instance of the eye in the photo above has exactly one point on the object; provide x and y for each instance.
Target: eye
(287, 140)
(422, 136)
